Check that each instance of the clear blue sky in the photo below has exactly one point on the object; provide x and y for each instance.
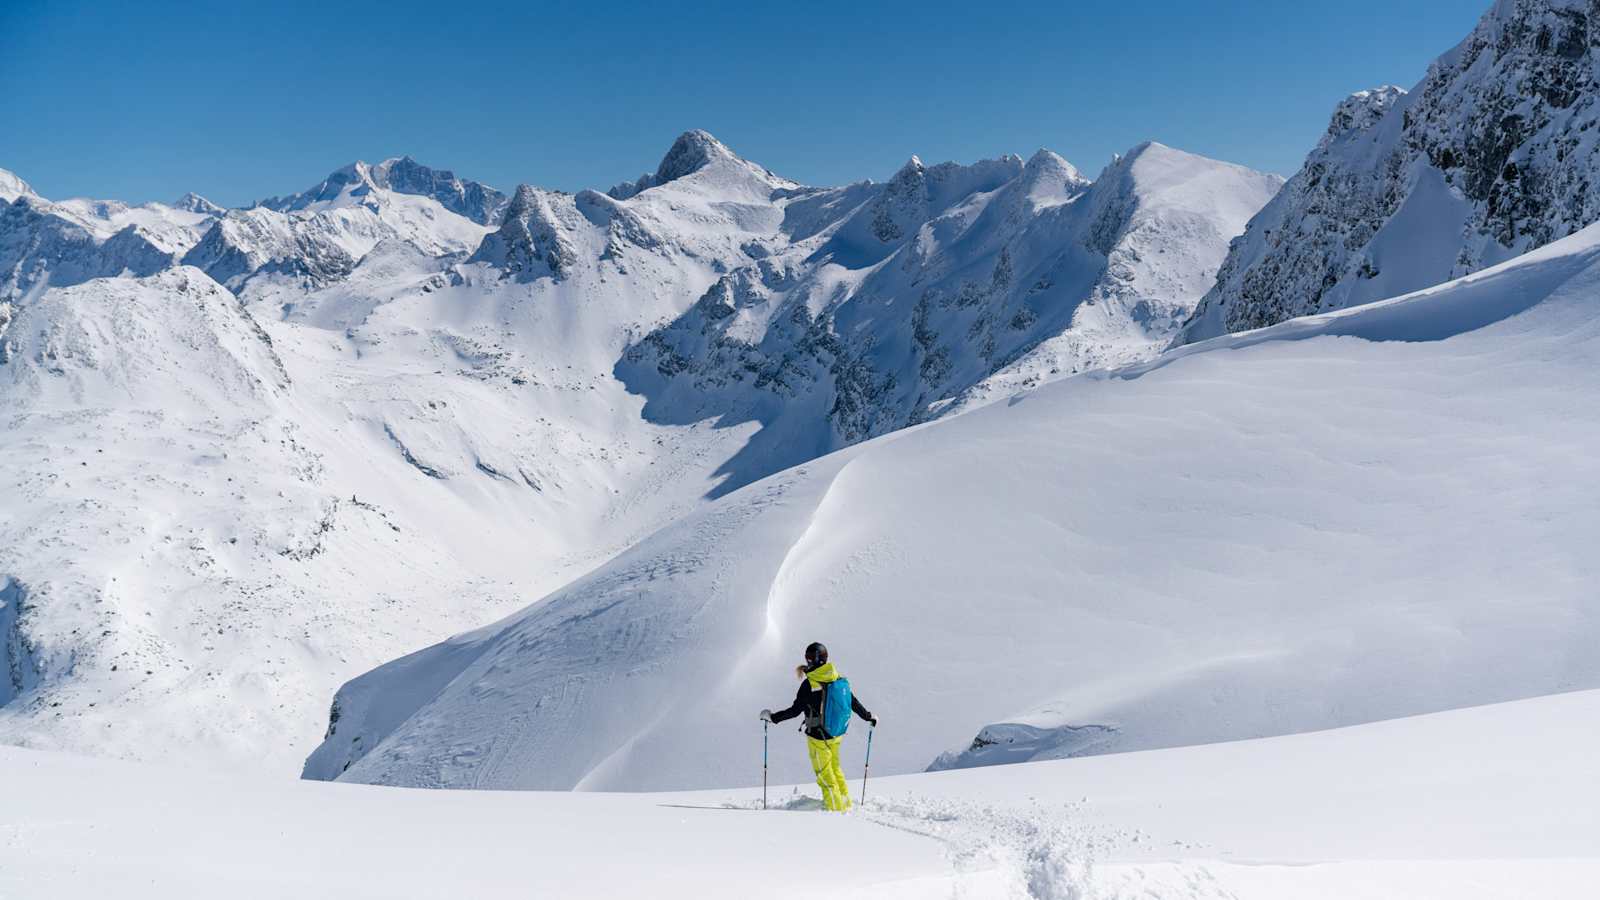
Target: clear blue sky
(145, 100)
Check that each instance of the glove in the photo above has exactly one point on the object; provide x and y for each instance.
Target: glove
(874, 721)
(766, 715)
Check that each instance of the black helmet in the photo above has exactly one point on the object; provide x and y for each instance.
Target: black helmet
(816, 654)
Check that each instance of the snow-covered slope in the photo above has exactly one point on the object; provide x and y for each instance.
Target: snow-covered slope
(1341, 519)
(1492, 154)
(1479, 804)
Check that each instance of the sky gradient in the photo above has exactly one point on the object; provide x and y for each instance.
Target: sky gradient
(144, 101)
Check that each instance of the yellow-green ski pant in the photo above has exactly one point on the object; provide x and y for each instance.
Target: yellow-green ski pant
(830, 776)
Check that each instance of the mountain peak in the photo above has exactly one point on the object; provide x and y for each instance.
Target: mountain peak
(1047, 179)
(532, 239)
(401, 175)
(1360, 111)
(912, 168)
(12, 187)
(694, 151)
(192, 202)
(691, 152)
(1049, 161)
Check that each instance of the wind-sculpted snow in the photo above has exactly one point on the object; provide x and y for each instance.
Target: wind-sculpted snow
(1357, 517)
(1492, 154)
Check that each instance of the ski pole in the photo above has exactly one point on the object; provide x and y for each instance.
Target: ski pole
(764, 764)
(868, 767)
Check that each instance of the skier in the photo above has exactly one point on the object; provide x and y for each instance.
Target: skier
(821, 697)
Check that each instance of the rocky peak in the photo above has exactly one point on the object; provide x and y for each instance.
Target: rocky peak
(691, 152)
(192, 202)
(12, 187)
(532, 240)
(1359, 112)
(909, 177)
(695, 152)
(401, 175)
(405, 175)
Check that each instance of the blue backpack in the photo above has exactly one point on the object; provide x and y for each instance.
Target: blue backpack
(836, 707)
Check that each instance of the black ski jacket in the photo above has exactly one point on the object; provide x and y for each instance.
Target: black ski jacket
(809, 701)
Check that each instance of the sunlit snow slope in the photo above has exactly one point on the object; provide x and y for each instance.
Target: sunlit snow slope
(1341, 519)
(1462, 805)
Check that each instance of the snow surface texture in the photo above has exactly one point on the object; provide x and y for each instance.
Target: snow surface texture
(407, 420)
(1494, 153)
(1478, 804)
(1341, 519)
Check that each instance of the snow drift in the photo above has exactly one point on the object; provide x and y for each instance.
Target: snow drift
(1336, 520)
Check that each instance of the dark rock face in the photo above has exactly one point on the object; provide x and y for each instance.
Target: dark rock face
(688, 154)
(19, 670)
(1491, 155)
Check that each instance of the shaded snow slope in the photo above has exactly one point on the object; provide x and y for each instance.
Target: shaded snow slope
(1477, 804)
(1492, 154)
(1337, 520)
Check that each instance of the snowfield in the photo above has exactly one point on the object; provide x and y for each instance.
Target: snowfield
(1476, 804)
(1342, 519)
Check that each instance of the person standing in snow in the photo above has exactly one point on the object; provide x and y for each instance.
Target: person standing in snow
(825, 698)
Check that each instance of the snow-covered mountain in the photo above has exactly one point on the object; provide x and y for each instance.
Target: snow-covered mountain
(43, 243)
(1492, 154)
(1346, 518)
(425, 403)
(285, 246)
(399, 175)
(875, 306)
(70, 241)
